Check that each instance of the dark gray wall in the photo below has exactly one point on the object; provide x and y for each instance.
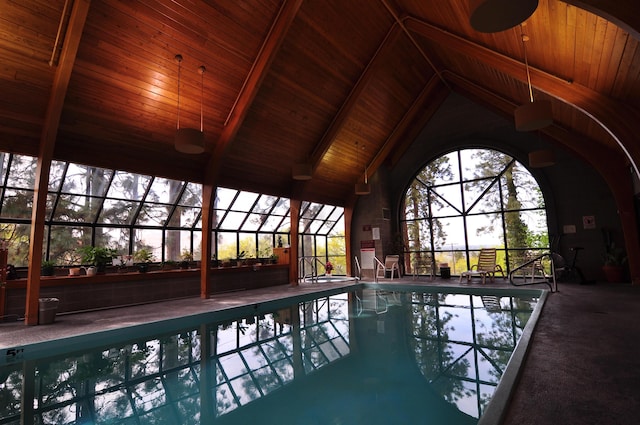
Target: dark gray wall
(571, 188)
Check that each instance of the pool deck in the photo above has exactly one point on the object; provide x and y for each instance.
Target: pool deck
(582, 368)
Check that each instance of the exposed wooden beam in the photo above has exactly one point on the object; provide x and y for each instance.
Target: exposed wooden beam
(607, 162)
(47, 144)
(258, 71)
(617, 118)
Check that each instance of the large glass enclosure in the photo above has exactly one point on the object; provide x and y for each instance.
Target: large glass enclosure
(471, 199)
(322, 239)
(128, 212)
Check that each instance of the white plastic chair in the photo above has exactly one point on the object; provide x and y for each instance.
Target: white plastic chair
(391, 264)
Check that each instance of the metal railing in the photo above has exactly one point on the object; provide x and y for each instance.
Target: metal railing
(308, 267)
(534, 265)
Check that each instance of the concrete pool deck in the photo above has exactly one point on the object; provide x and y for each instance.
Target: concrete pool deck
(582, 367)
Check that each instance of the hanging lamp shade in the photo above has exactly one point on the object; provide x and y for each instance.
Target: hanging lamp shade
(363, 189)
(499, 15)
(302, 171)
(189, 140)
(533, 115)
(542, 158)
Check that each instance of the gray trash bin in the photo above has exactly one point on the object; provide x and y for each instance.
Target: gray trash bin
(47, 311)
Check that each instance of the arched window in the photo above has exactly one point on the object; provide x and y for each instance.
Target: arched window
(471, 199)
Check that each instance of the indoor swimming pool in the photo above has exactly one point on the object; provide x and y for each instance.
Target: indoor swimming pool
(382, 354)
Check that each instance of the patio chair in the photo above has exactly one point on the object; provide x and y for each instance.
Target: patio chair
(424, 262)
(391, 264)
(486, 266)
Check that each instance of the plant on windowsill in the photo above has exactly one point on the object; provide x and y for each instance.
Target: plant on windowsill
(185, 259)
(48, 268)
(240, 260)
(142, 258)
(99, 257)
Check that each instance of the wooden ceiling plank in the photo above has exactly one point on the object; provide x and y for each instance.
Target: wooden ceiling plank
(259, 70)
(613, 115)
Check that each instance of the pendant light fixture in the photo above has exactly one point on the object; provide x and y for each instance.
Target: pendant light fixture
(533, 115)
(362, 188)
(499, 15)
(190, 140)
(542, 158)
(302, 171)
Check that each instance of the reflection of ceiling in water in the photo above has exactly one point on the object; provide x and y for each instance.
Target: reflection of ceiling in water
(288, 366)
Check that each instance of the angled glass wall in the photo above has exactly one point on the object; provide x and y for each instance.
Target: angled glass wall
(93, 206)
(322, 239)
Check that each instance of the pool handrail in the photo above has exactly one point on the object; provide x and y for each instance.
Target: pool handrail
(553, 285)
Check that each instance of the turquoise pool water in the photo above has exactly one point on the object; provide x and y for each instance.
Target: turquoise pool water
(377, 355)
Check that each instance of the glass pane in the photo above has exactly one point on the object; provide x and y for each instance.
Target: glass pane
(164, 190)
(489, 202)
(446, 201)
(55, 175)
(282, 207)
(485, 231)
(150, 239)
(224, 197)
(184, 217)
(22, 172)
(254, 221)
(248, 244)
(74, 208)
(338, 229)
(4, 166)
(128, 186)
(265, 245)
(441, 171)
(17, 204)
(117, 212)
(116, 238)
(64, 240)
(153, 215)
(227, 245)
(192, 195)
(174, 244)
(86, 180)
(17, 238)
(245, 201)
(232, 221)
(520, 190)
(272, 223)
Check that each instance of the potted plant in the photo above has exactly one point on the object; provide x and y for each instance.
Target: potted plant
(97, 256)
(48, 268)
(328, 268)
(614, 258)
(143, 257)
(240, 260)
(185, 259)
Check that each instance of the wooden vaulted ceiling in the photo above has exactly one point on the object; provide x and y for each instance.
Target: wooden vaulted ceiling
(343, 84)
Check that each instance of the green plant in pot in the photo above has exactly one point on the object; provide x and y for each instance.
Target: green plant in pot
(615, 259)
(48, 268)
(185, 259)
(99, 257)
(143, 257)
